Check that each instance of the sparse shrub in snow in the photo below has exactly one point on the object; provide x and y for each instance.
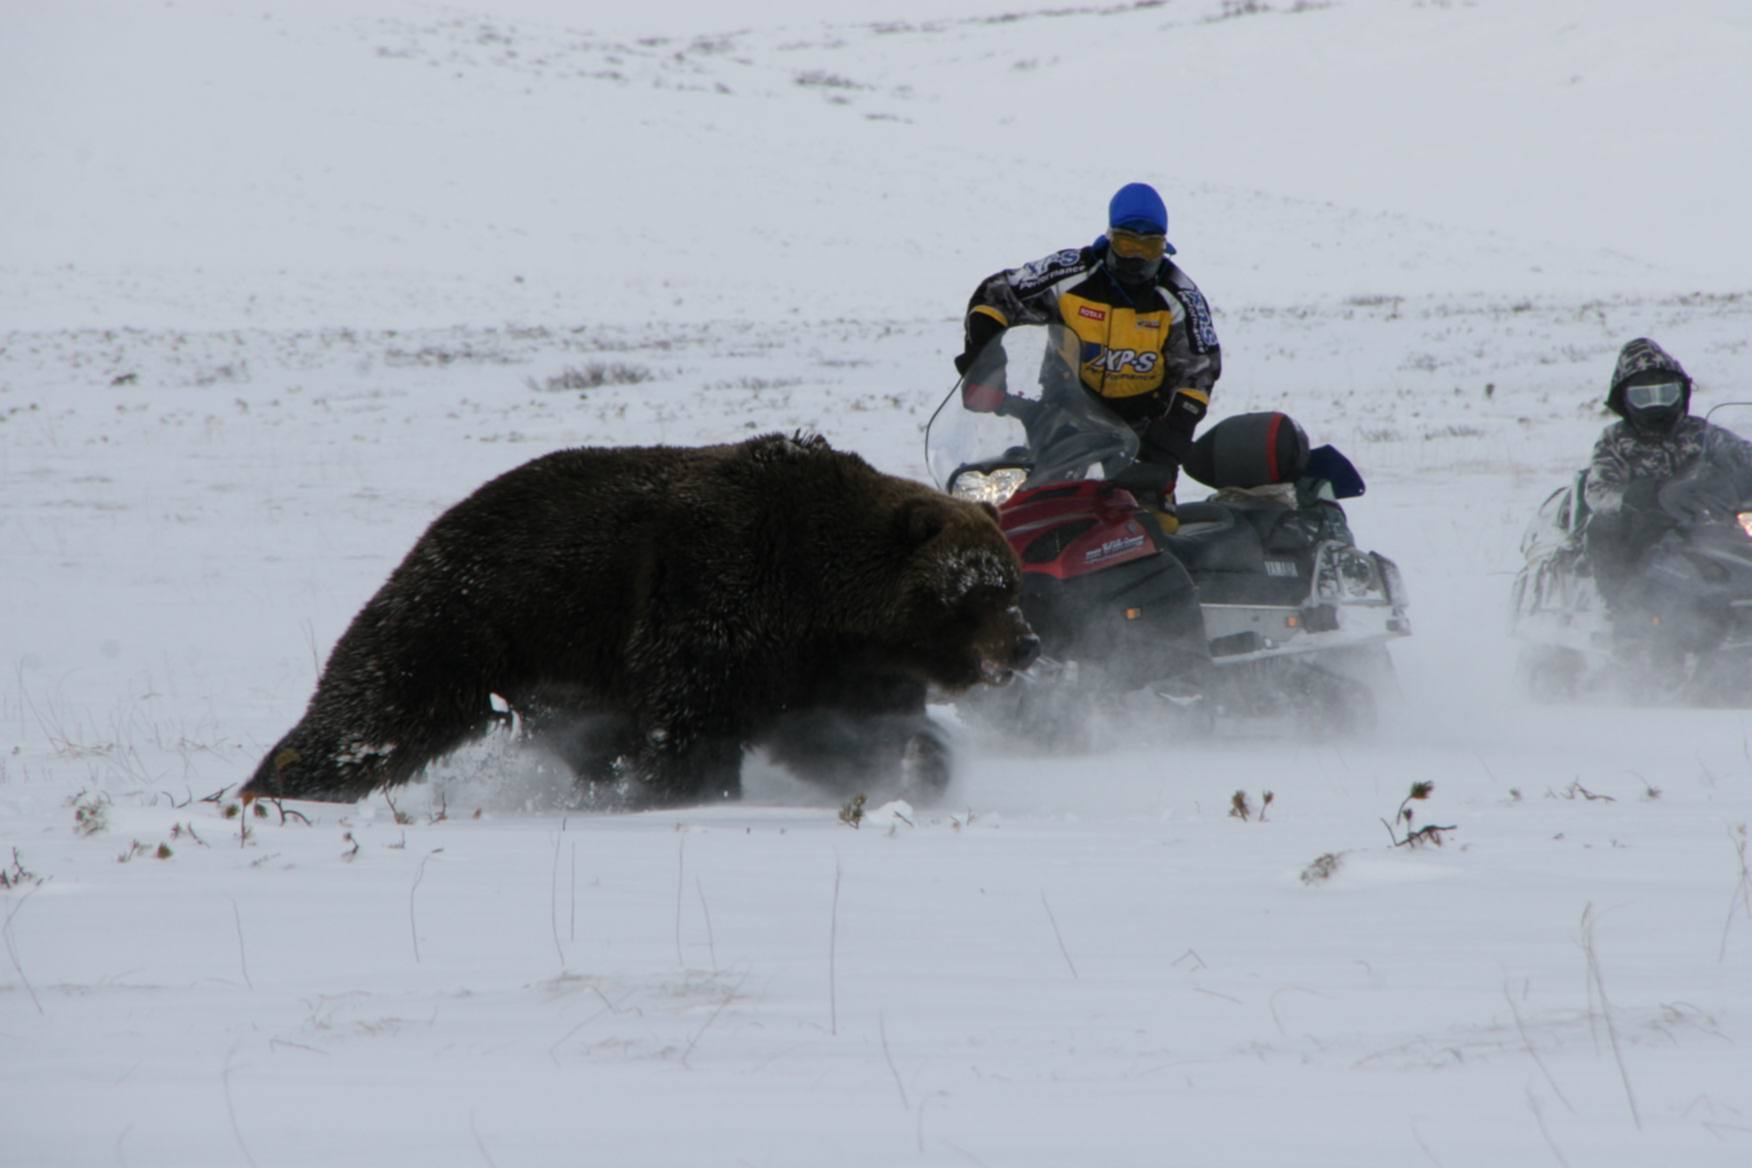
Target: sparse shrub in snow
(235, 811)
(591, 376)
(1576, 790)
(1429, 833)
(178, 830)
(163, 851)
(136, 848)
(17, 875)
(90, 812)
(756, 384)
(823, 79)
(400, 816)
(226, 374)
(1237, 8)
(1240, 808)
(1322, 868)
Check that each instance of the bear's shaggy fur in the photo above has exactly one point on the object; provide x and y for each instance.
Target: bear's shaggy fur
(650, 612)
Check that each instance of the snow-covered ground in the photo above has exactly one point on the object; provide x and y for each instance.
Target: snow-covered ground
(280, 281)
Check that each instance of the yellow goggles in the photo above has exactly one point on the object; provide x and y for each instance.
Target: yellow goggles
(1132, 246)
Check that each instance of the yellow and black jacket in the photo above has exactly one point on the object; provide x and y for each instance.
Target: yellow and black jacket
(1146, 355)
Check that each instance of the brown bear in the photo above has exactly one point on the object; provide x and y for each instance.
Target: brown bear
(648, 613)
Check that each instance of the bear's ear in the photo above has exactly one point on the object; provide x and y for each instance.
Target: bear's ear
(992, 510)
(918, 520)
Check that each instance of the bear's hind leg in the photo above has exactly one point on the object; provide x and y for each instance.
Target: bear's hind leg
(342, 751)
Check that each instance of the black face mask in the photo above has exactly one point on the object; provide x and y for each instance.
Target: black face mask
(1654, 421)
(1133, 271)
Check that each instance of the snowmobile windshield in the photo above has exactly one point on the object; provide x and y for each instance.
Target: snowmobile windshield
(1020, 418)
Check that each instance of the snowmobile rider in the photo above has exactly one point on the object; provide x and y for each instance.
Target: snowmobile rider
(1656, 443)
(1148, 351)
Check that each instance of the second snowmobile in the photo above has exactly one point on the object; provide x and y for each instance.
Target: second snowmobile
(1680, 625)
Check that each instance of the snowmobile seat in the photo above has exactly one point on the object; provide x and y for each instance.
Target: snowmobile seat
(1215, 538)
(1234, 552)
(1274, 524)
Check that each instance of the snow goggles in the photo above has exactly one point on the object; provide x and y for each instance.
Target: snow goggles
(1131, 245)
(1648, 397)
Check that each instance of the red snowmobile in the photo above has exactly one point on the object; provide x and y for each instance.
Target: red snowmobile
(1257, 603)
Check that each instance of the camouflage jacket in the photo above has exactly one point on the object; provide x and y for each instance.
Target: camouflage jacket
(1623, 456)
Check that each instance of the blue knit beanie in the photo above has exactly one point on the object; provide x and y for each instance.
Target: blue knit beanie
(1137, 207)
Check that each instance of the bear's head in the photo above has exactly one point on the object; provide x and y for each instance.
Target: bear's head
(958, 601)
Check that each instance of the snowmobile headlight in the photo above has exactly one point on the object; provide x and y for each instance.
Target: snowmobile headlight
(1745, 518)
(988, 486)
(1346, 575)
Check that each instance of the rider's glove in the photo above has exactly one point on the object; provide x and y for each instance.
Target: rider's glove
(1151, 482)
(1641, 518)
(983, 384)
(983, 329)
(986, 396)
(1170, 433)
(1643, 496)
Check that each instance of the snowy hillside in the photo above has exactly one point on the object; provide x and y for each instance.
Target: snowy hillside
(281, 281)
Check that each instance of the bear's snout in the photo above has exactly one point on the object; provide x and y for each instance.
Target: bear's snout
(1015, 648)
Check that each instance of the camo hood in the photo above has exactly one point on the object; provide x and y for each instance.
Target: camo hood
(1643, 356)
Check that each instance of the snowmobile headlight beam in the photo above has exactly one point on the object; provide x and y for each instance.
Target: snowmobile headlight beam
(988, 486)
(1745, 518)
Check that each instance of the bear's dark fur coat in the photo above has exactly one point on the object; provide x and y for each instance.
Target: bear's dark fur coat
(649, 612)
